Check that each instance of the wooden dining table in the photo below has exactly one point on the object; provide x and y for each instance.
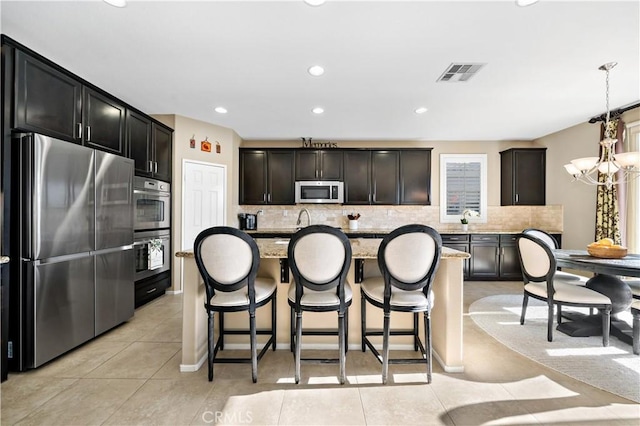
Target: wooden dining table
(606, 281)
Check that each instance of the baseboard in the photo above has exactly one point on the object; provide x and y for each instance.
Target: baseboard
(447, 368)
(174, 292)
(191, 368)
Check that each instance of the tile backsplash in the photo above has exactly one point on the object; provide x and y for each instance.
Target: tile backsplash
(500, 218)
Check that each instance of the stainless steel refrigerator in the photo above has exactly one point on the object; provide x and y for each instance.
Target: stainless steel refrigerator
(76, 276)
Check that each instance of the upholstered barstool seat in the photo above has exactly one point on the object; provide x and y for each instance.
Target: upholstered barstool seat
(314, 298)
(373, 288)
(264, 287)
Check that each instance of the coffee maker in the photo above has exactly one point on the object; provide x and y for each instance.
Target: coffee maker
(247, 221)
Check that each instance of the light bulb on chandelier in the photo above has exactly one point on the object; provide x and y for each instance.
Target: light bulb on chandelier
(616, 168)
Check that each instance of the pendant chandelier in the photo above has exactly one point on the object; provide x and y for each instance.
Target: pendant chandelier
(616, 168)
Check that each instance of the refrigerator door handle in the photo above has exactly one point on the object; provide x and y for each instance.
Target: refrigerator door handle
(112, 250)
(57, 259)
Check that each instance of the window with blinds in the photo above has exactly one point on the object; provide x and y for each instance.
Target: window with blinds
(463, 183)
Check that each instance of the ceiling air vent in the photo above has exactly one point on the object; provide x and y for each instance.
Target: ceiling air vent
(460, 72)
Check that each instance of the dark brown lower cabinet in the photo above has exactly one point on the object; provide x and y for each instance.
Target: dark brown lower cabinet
(458, 242)
(509, 261)
(485, 258)
(150, 288)
(493, 256)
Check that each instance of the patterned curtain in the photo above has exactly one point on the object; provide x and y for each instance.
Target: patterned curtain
(608, 222)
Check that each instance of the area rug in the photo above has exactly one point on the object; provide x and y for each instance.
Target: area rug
(614, 369)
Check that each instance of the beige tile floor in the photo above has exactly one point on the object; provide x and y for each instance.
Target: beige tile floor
(130, 376)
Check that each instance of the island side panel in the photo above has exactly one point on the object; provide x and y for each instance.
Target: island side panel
(446, 315)
(194, 318)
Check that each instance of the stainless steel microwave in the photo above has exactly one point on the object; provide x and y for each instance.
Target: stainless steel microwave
(328, 192)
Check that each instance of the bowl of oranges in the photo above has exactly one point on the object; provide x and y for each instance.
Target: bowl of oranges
(606, 249)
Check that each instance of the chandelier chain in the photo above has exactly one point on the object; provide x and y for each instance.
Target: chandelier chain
(607, 132)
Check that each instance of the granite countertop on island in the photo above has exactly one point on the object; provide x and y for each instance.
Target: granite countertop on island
(362, 248)
(284, 232)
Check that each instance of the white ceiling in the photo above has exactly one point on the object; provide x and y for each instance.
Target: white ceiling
(382, 59)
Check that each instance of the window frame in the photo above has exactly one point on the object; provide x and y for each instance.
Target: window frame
(631, 142)
(457, 158)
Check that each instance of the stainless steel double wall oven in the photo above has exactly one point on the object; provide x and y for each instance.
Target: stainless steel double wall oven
(152, 238)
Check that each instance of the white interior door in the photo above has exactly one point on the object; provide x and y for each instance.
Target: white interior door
(204, 199)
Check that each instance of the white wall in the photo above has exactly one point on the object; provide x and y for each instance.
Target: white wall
(184, 129)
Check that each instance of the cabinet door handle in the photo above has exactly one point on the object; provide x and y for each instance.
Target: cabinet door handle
(88, 133)
(320, 174)
(150, 167)
(269, 197)
(79, 130)
(155, 167)
(517, 198)
(152, 290)
(264, 197)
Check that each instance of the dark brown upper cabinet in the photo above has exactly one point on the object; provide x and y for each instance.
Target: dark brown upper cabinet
(319, 165)
(387, 177)
(139, 141)
(161, 142)
(47, 100)
(370, 176)
(357, 177)
(522, 177)
(267, 176)
(385, 173)
(415, 177)
(54, 103)
(103, 119)
(149, 146)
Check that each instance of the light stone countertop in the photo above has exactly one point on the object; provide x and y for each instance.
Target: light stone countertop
(362, 248)
(364, 231)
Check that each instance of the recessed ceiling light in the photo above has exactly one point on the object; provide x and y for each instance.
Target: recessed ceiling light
(116, 3)
(314, 2)
(524, 3)
(316, 70)
(421, 110)
(220, 110)
(317, 110)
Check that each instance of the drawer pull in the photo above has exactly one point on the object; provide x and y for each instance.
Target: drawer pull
(152, 290)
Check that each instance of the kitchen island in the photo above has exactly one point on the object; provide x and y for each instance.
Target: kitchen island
(446, 314)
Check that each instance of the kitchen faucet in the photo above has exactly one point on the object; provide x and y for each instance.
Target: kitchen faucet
(300, 217)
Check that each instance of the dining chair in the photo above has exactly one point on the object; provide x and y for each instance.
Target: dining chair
(552, 243)
(408, 258)
(635, 312)
(319, 258)
(539, 276)
(228, 261)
